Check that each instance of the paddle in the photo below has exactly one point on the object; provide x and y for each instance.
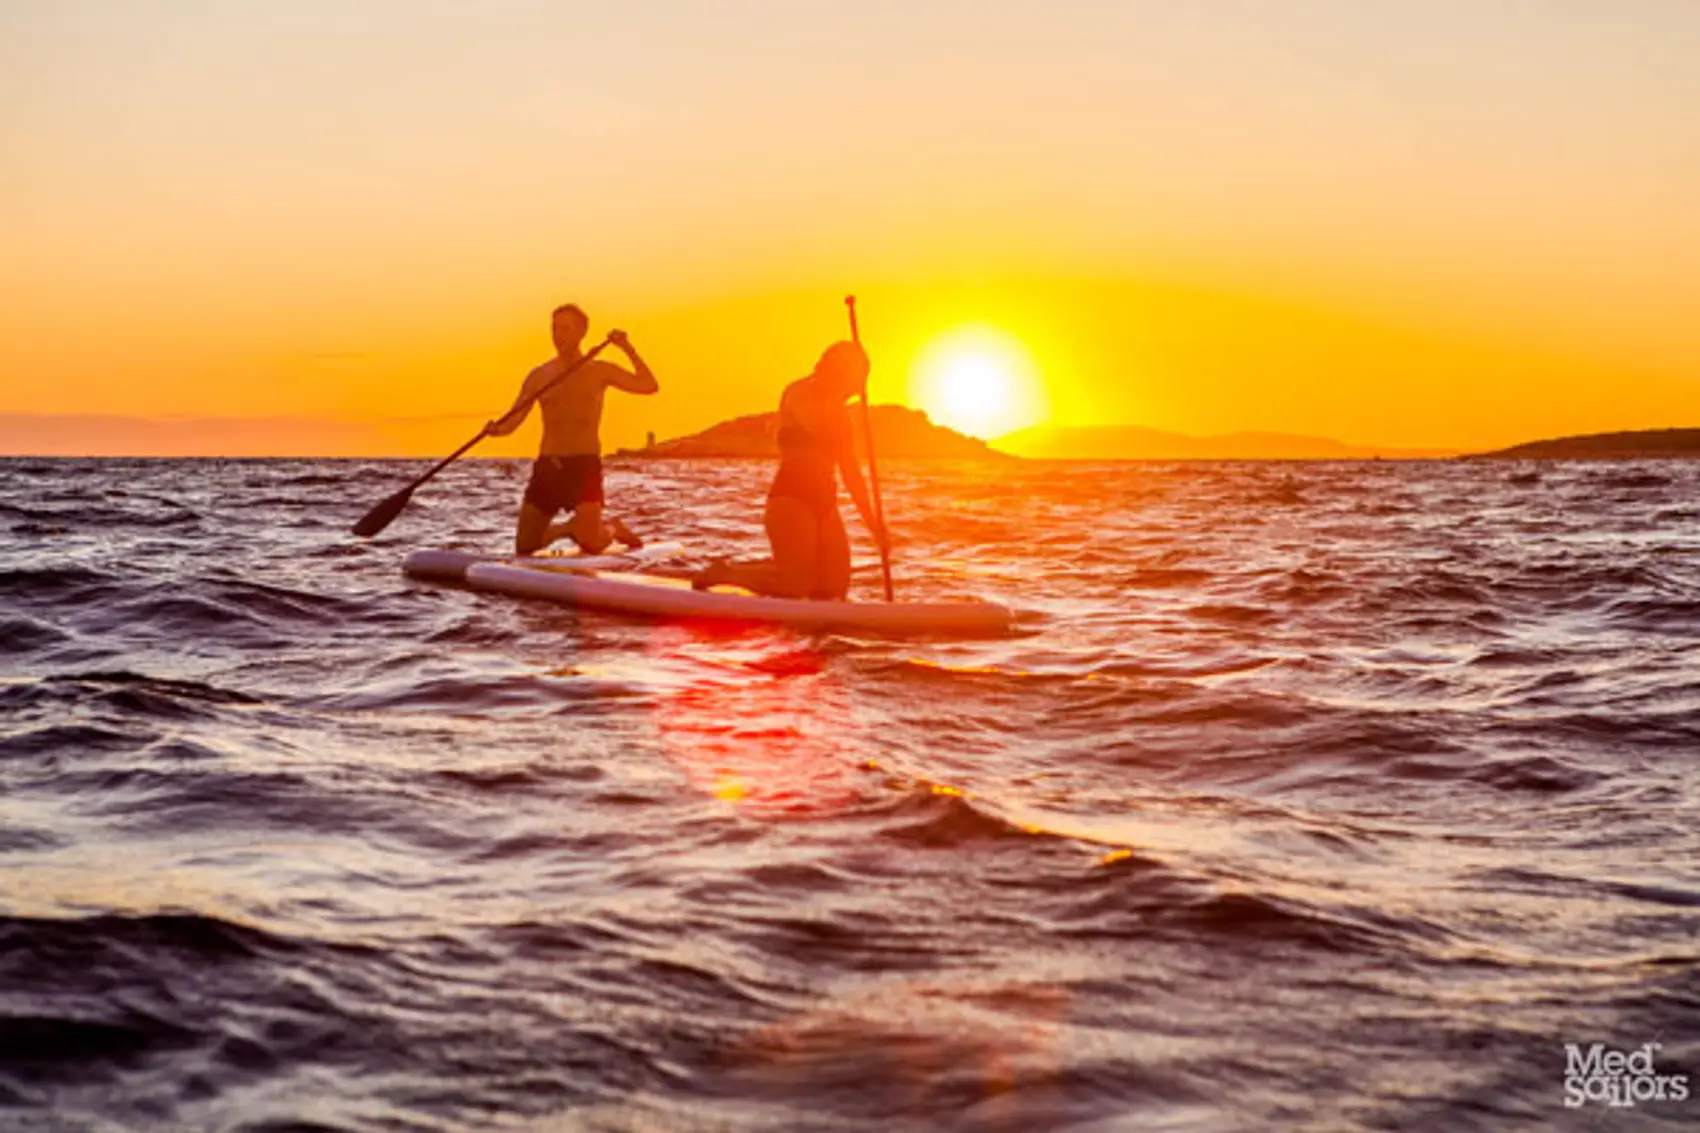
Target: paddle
(873, 467)
(384, 514)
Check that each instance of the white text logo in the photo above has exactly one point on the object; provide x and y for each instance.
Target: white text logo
(1621, 1079)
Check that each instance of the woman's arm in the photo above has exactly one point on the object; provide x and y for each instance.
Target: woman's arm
(851, 471)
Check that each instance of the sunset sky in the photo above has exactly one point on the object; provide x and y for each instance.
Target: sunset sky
(1454, 223)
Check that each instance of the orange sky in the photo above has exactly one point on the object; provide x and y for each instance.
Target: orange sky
(1435, 223)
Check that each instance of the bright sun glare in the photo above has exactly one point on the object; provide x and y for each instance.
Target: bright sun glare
(978, 380)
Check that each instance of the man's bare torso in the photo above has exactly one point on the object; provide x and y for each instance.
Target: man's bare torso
(572, 411)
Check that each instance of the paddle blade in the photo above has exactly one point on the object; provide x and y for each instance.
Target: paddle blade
(383, 515)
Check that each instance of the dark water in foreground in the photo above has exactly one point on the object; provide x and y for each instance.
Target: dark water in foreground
(1317, 797)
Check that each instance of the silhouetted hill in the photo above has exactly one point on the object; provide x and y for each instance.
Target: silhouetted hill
(901, 433)
(1641, 445)
(1133, 442)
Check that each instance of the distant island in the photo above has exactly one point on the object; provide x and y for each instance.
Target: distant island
(1645, 444)
(902, 433)
(1134, 442)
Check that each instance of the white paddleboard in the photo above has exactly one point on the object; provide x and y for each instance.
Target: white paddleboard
(650, 596)
(450, 566)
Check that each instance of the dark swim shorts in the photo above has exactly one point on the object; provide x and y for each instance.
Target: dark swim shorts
(562, 483)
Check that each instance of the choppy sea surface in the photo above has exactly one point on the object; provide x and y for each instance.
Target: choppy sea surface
(1313, 796)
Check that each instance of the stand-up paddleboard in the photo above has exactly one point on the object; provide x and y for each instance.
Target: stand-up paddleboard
(450, 566)
(649, 596)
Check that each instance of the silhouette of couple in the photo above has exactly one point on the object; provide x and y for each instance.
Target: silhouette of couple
(809, 547)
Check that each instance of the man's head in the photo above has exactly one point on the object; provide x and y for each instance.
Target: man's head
(567, 326)
(843, 368)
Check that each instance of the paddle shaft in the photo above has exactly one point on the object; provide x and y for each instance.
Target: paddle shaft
(445, 462)
(873, 464)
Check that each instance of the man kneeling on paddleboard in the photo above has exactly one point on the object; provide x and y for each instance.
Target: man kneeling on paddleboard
(567, 475)
(811, 550)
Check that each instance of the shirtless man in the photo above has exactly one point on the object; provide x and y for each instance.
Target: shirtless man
(567, 475)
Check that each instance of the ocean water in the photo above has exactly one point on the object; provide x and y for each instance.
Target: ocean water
(1322, 796)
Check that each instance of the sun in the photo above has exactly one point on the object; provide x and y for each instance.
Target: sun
(978, 380)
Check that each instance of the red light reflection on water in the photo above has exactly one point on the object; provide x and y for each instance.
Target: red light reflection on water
(769, 731)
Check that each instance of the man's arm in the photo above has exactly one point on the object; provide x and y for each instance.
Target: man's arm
(643, 381)
(516, 416)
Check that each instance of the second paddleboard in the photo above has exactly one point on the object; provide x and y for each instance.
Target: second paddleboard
(650, 596)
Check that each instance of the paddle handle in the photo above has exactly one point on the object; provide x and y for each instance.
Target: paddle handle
(873, 463)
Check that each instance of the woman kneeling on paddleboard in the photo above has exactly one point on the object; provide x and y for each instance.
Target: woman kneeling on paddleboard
(811, 551)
